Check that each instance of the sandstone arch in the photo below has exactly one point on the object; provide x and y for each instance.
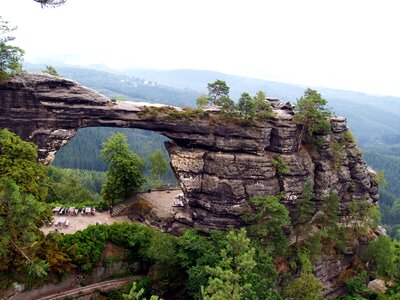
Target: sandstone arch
(219, 164)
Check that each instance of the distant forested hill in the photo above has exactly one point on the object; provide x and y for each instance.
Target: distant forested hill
(130, 87)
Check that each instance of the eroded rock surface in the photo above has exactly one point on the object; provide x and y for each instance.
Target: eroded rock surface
(220, 164)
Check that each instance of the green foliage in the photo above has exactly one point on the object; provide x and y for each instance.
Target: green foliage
(356, 285)
(229, 279)
(264, 276)
(252, 108)
(218, 94)
(387, 158)
(18, 162)
(363, 216)
(64, 186)
(348, 137)
(137, 295)
(124, 175)
(202, 101)
(247, 109)
(305, 262)
(162, 252)
(118, 99)
(380, 178)
(381, 256)
(159, 167)
(330, 208)
(312, 113)
(36, 270)
(142, 244)
(304, 287)
(85, 247)
(195, 253)
(10, 56)
(247, 106)
(19, 215)
(280, 166)
(262, 106)
(303, 211)
(338, 153)
(51, 71)
(48, 249)
(268, 220)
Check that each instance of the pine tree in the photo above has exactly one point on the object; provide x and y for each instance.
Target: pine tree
(18, 231)
(229, 279)
(247, 106)
(304, 211)
(10, 56)
(312, 113)
(268, 220)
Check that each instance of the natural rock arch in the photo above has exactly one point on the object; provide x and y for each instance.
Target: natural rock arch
(219, 164)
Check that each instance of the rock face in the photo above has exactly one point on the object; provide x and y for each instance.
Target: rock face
(219, 164)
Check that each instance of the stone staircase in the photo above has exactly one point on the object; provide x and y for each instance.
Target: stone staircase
(122, 207)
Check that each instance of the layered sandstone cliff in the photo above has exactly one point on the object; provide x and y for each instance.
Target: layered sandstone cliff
(220, 164)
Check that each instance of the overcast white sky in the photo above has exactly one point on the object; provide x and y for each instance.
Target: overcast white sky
(346, 44)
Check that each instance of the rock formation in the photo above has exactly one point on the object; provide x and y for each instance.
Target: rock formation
(220, 164)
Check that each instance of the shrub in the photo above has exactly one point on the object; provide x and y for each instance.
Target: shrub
(348, 137)
(85, 247)
(281, 167)
(381, 256)
(338, 153)
(356, 285)
(304, 287)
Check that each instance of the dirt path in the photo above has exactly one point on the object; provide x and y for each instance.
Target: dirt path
(162, 199)
(89, 289)
(81, 222)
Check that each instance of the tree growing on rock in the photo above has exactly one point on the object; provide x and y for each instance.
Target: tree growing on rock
(10, 56)
(303, 211)
(51, 71)
(311, 112)
(268, 220)
(262, 106)
(124, 176)
(247, 106)
(218, 94)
